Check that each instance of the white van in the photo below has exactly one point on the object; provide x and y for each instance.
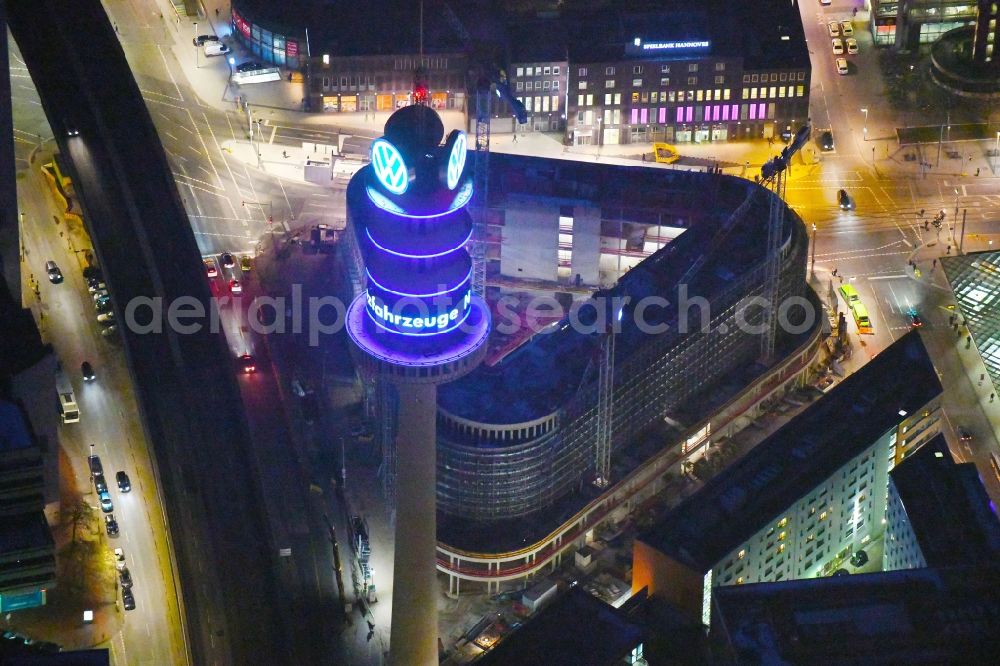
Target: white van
(215, 49)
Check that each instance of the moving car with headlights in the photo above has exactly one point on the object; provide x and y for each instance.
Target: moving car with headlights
(124, 484)
(52, 270)
(247, 364)
(111, 525)
(844, 200)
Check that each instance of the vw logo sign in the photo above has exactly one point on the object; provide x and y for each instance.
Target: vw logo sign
(389, 167)
(456, 160)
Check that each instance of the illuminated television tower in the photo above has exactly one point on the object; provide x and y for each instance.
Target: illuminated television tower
(418, 325)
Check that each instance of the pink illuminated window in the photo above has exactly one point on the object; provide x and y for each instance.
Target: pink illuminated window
(761, 111)
(753, 112)
(663, 115)
(725, 112)
(715, 112)
(689, 113)
(635, 116)
(643, 115)
(735, 112)
(680, 114)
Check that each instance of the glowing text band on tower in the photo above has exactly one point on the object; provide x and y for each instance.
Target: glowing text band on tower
(409, 318)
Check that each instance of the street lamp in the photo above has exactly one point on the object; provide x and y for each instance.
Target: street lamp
(996, 153)
(865, 130)
(812, 263)
(196, 64)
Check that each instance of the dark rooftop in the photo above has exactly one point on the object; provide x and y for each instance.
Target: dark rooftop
(576, 628)
(949, 511)
(374, 27)
(918, 616)
(547, 371)
(24, 532)
(738, 502)
(13, 429)
(751, 30)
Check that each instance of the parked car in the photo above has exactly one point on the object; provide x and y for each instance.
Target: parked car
(235, 286)
(103, 306)
(109, 331)
(859, 559)
(95, 284)
(201, 39)
(102, 301)
(100, 485)
(842, 68)
(838, 46)
(52, 270)
(94, 463)
(834, 28)
(111, 525)
(124, 484)
(100, 293)
(106, 505)
(245, 264)
(127, 599)
(249, 66)
(119, 558)
(215, 49)
(847, 28)
(106, 318)
(826, 140)
(852, 45)
(227, 260)
(210, 268)
(125, 577)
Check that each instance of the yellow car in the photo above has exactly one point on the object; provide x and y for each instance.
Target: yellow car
(245, 264)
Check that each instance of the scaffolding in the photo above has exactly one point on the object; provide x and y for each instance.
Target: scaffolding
(605, 408)
(775, 223)
(480, 187)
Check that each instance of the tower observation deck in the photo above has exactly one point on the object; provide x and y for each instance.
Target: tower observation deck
(417, 324)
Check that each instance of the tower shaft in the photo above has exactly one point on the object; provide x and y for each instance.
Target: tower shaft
(414, 569)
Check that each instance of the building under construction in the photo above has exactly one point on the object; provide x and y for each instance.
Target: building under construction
(520, 439)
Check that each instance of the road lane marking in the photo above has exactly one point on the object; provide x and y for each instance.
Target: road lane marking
(274, 131)
(180, 95)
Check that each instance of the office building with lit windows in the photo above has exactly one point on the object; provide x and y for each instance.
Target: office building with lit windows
(905, 25)
(713, 72)
(806, 497)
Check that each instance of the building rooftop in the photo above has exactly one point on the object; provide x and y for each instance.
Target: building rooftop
(376, 27)
(546, 372)
(918, 616)
(738, 502)
(975, 280)
(766, 34)
(24, 532)
(13, 428)
(576, 628)
(949, 511)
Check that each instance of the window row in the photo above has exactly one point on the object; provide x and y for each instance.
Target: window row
(774, 92)
(538, 85)
(775, 77)
(538, 71)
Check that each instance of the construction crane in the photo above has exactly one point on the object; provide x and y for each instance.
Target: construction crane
(487, 79)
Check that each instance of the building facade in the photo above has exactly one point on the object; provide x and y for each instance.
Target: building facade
(350, 84)
(697, 99)
(810, 495)
(542, 88)
(907, 24)
(275, 42)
